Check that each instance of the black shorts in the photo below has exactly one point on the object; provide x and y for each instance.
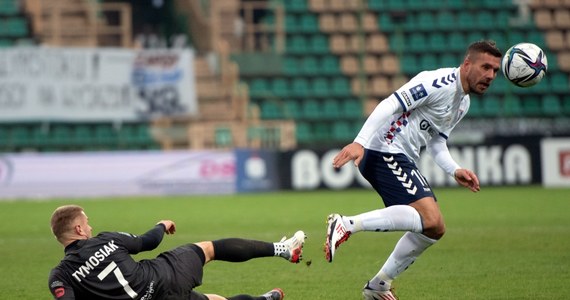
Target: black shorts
(395, 177)
(186, 266)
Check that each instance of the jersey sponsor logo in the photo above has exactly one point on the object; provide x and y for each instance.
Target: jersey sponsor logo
(418, 92)
(406, 98)
(445, 80)
(424, 125)
(94, 260)
(59, 292)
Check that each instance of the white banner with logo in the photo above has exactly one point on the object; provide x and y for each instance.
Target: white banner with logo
(117, 174)
(83, 84)
(555, 159)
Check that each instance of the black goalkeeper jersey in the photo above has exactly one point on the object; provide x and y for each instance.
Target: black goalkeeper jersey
(102, 268)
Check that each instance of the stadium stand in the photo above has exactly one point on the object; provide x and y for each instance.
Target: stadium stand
(289, 73)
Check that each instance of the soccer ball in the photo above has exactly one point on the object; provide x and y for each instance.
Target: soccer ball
(524, 64)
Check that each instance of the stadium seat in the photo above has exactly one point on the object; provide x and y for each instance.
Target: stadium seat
(311, 109)
(342, 131)
(223, 137)
(292, 109)
(341, 87)
(351, 108)
(558, 82)
(320, 87)
(551, 105)
(300, 87)
(491, 106)
(445, 20)
(566, 105)
(409, 64)
(309, 23)
(331, 109)
(531, 106)
(290, 66)
(259, 87)
(309, 65)
(296, 5)
(512, 106)
(437, 42)
(297, 44)
(271, 110)
(303, 132)
(322, 131)
(279, 87)
(329, 65)
(319, 44)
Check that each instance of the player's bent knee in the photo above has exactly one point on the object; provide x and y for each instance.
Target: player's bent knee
(208, 249)
(435, 230)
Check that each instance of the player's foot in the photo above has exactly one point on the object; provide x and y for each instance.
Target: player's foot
(370, 294)
(336, 235)
(274, 294)
(294, 247)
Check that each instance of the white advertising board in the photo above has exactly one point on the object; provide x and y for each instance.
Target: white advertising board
(83, 84)
(116, 174)
(555, 156)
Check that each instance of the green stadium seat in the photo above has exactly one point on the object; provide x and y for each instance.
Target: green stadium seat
(105, 135)
(428, 62)
(303, 132)
(396, 5)
(417, 43)
(351, 108)
(558, 82)
(449, 60)
(297, 44)
(377, 5)
(259, 87)
(491, 106)
(290, 66)
(466, 21)
(551, 105)
(320, 87)
(456, 41)
(9, 8)
(309, 65)
(296, 5)
(331, 109)
(437, 42)
(397, 43)
(319, 44)
(409, 64)
(329, 65)
(280, 87)
(341, 86)
(82, 135)
(531, 106)
(385, 23)
(485, 20)
(566, 105)
(311, 109)
(342, 131)
(271, 110)
(223, 137)
(445, 20)
(309, 23)
(292, 109)
(514, 37)
(426, 20)
(292, 24)
(322, 131)
(20, 136)
(512, 106)
(300, 87)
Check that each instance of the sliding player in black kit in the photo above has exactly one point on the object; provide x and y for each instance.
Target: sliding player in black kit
(101, 267)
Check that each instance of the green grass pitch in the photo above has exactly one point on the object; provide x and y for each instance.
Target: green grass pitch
(501, 243)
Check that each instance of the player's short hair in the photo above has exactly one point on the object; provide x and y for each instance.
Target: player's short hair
(62, 219)
(483, 46)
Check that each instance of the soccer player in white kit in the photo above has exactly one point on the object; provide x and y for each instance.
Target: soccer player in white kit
(423, 112)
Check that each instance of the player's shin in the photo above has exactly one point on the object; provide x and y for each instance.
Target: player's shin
(408, 248)
(393, 218)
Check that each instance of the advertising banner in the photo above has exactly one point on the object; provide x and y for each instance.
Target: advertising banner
(83, 84)
(555, 162)
(256, 170)
(117, 174)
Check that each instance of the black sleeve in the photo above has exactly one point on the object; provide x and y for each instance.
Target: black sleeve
(59, 289)
(152, 238)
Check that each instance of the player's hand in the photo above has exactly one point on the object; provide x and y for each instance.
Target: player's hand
(353, 151)
(467, 179)
(169, 226)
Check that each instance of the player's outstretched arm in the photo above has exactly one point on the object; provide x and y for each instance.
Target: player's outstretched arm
(353, 151)
(468, 179)
(169, 226)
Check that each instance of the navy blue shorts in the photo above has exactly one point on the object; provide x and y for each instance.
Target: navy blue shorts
(395, 177)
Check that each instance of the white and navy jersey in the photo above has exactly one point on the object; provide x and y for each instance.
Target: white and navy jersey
(432, 103)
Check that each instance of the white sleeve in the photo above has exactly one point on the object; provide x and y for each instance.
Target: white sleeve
(381, 114)
(437, 148)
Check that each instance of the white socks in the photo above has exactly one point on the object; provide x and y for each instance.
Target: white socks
(393, 218)
(408, 248)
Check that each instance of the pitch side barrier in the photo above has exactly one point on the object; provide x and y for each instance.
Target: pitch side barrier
(502, 161)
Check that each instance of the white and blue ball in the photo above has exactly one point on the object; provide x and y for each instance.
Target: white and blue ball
(524, 64)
